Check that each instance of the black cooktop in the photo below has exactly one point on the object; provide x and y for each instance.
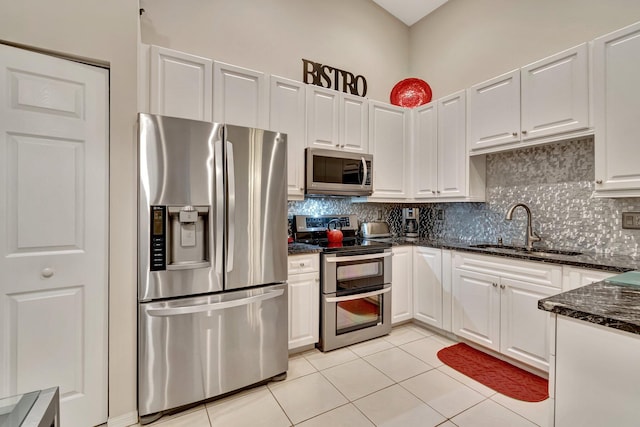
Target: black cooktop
(347, 244)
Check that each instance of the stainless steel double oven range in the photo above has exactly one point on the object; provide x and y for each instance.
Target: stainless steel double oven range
(355, 282)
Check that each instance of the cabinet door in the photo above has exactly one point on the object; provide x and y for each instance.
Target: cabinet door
(287, 114)
(427, 285)
(425, 152)
(476, 307)
(617, 108)
(323, 109)
(555, 94)
(304, 304)
(452, 153)
(240, 96)
(388, 136)
(354, 123)
(524, 330)
(494, 112)
(573, 277)
(401, 305)
(180, 84)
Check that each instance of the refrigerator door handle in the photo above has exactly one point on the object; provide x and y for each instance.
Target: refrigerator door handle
(231, 182)
(219, 171)
(166, 312)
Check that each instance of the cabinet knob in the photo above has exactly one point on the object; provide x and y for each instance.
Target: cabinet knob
(433, 191)
(524, 132)
(495, 285)
(302, 264)
(438, 191)
(515, 134)
(47, 272)
(598, 181)
(502, 286)
(317, 279)
(337, 145)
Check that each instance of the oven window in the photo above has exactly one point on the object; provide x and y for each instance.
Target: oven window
(359, 313)
(355, 275)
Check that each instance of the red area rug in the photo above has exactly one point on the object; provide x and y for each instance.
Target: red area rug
(495, 373)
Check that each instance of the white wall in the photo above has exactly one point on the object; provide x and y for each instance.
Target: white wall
(104, 32)
(273, 36)
(465, 42)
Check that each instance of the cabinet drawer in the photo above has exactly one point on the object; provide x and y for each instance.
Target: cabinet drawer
(528, 271)
(307, 263)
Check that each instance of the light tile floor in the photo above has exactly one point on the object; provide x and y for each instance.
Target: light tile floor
(396, 380)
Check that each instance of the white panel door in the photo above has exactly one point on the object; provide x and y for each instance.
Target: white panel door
(476, 307)
(323, 109)
(425, 151)
(555, 94)
(616, 81)
(240, 96)
(401, 289)
(427, 285)
(304, 305)
(354, 123)
(180, 84)
(53, 231)
(493, 113)
(287, 114)
(452, 155)
(524, 330)
(388, 136)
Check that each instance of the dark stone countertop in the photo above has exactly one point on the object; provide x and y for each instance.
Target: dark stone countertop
(604, 303)
(303, 248)
(592, 260)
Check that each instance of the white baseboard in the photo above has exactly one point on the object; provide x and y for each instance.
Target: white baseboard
(125, 420)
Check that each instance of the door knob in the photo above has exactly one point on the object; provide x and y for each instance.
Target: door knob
(47, 272)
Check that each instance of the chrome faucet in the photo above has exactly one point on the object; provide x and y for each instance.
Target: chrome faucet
(531, 235)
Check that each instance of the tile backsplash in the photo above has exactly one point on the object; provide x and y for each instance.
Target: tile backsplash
(555, 180)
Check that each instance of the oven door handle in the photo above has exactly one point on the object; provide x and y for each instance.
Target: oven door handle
(192, 309)
(357, 296)
(358, 257)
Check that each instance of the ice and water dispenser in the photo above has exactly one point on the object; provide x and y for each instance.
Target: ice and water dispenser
(179, 237)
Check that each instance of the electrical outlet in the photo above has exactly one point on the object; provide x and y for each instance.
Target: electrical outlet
(379, 212)
(631, 220)
(440, 214)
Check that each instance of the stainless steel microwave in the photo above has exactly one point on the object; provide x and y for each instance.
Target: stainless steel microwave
(338, 173)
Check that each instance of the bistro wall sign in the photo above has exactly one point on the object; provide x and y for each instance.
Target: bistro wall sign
(333, 78)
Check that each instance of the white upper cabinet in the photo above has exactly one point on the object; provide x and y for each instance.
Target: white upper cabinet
(180, 84)
(441, 167)
(541, 102)
(287, 114)
(617, 113)
(336, 120)
(323, 111)
(354, 120)
(240, 96)
(555, 94)
(388, 136)
(494, 112)
(425, 151)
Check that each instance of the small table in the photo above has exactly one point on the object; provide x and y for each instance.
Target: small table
(34, 409)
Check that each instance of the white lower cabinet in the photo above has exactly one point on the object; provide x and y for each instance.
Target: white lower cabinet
(304, 300)
(401, 292)
(495, 304)
(427, 286)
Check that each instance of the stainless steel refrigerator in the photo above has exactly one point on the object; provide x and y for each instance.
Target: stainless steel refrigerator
(212, 294)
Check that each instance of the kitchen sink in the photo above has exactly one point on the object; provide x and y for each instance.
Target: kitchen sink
(534, 251)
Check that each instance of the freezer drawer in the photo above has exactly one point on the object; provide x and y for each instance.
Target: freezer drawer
(192, 349)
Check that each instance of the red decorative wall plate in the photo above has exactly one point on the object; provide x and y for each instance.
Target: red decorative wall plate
(410, 93)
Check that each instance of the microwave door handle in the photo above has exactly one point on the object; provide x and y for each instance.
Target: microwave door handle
(358, 257)
(231, 201)
(219, 172)
(193, 309)
(357, 296)
(366, 172)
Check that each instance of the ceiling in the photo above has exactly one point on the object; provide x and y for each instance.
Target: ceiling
(410, 11)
